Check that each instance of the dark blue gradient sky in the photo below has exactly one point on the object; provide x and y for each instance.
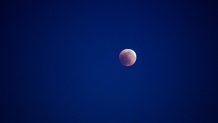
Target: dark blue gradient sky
(61, 62)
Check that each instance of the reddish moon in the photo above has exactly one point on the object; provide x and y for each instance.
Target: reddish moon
(127, 57)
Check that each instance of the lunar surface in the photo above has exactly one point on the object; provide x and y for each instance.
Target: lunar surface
(127, 57)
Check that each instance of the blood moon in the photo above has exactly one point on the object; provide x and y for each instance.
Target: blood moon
(127, 57)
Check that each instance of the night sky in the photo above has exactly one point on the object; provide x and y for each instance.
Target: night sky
(61, 65)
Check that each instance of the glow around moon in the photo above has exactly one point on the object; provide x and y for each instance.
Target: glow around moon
(127, 57)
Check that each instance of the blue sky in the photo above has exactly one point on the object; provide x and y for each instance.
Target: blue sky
(62, 62)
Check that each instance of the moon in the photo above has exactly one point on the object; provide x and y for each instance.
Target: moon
(127, 57)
